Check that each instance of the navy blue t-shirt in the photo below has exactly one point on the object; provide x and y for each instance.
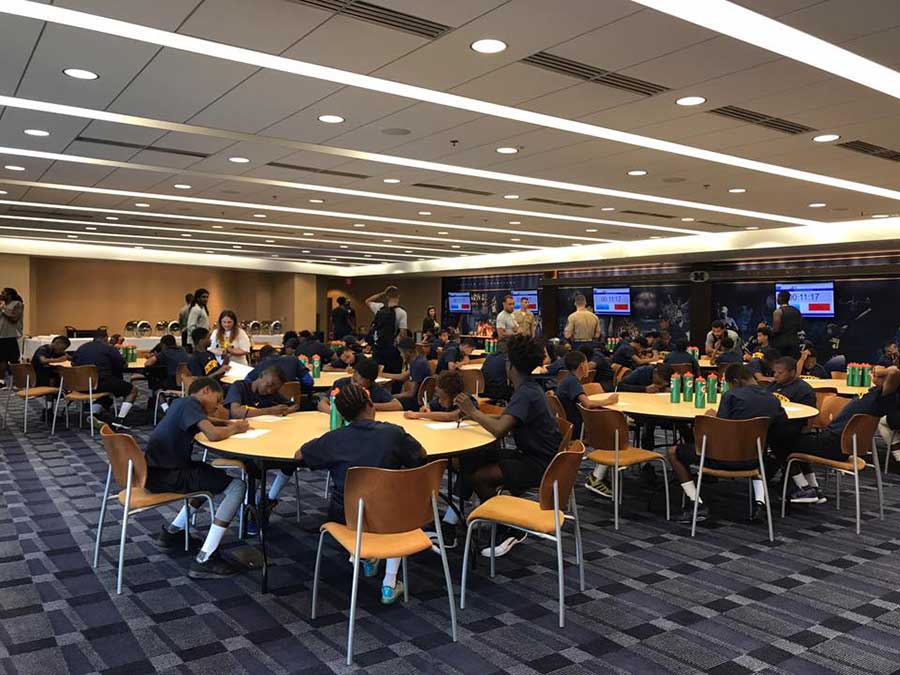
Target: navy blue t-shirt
(172, 440)
(536, 432)
(419, 370)
(43, 374)
(107, 358)
(872, 403)
(242, 392)
(201, 364)
(603, 373)
(290, 366)
(377, 393)
(624, 355)
(170, 358)
(556, 366)
(310, 348)
(361, 443)
(568, 392)
(340, 365)
(744, 403)
(728, 357)
(638, 379)
(758, 365)
(496, 384)
(819, 371)
(797, 391)
(677, 357)
(450, 355)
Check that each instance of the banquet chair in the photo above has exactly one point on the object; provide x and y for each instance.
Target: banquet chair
(77, 384)
(183, 379)
(22, 384)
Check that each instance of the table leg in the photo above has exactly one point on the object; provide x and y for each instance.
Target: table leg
(262, 522)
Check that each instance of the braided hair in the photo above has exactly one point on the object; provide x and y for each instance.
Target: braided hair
(524, 353)
(351, 401)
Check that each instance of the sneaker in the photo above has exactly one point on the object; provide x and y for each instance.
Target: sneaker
(687, 515)
(215, 567)
(390, 595)
(449, 533)
(118, 425)
(820, 495)
(802, 495)
(175, 540)
(370, 568)
(759, 512)
(504, 546)
(599, 486)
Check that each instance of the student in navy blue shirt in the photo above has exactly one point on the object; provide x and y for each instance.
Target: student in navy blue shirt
(168, 355)
(809, 366)
(761, 367)
(110, 366)
(290, 366)
(597, 362)
(454, 356)
(648, 379)
(745, 400)
(43, 359)
(890, 355)
(442, 407)
(630, 354)
(788, 384)
(344, 359)
(252, 398)
(725, 354)
(364, 442)
(311, 346)
(571, 394)
(202, 362)
(416, 371)
(681, 355)
(170, 468)
(493, 370)
(365, 375)
(527, 417)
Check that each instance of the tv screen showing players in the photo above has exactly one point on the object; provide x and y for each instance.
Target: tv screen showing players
(532, 299)
(460, 303)
(612, 301)
(812, 299)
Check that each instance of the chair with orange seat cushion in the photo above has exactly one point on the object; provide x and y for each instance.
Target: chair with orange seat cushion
(128, 466)
(385, 511)
(543, 518)
(23, 384)
(857, 439)
(828, 404)
(606, 433)
(78, 384)
(473, 381)
(183, 379)
(591, 388)
(620, 375)
(556, 406)
(682, 368)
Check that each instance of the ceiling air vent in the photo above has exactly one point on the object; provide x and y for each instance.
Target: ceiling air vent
(450, 188)
(138, 146)
(762, 120)
(583, 71)
(718, 224)
(647, 213)
(312, 169)
(557, 202)
(872, 150)
(382, 16)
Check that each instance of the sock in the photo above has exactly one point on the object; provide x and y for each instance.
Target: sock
(896, 454)
(123, 410)
(811, 479)
(164, 406)
(96, 408)
(451, 517)
(180, 521)
(758, 492)
(600, 471)
(391, 565)
(213, 539)
(280, 480)
(800, 480)
(691, 491)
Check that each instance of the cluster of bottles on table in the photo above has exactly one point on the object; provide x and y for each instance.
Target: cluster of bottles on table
(316, 367)
(490, 346)
(859, 374)
(684, 388)
(128, 352)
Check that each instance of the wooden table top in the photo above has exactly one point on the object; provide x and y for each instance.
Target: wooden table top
(326, 379)
(137, 364)
(286, 435)
(841, 385)
(660, 405)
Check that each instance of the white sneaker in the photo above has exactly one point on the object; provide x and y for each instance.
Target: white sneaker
(504, 546)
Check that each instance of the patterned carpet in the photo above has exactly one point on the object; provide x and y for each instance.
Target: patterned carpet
(820, 599)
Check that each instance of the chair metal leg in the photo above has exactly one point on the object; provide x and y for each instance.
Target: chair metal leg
(327, 485)
(617, 486)
(405, 581)
(875, 461)
(56, 410)
(6, 408)
(187, 526)
(156, 406)
(666, 488)
(124, 529)
(25, 414)
(579, 546)
(559, 556)
(315, 589)
(837, 490)
(353, 592)
(856, 489)
(102, 516)
(446, 566)
(699, 482)
(297, 494)
(493, 549)
(784, 486)
(762, 473)
(465, 565)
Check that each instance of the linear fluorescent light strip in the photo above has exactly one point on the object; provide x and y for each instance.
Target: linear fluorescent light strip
(310, 212)
(257, 224)
(155, 36)
(133, 166)
(393, 160)
(754, 28)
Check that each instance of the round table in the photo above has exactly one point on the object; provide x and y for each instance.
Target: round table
(130, 367)
(841, 385)
(325, 381)
(660, 405)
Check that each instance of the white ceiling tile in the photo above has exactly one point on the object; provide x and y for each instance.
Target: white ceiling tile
(164, 14)
(17, 39)
(453, 13)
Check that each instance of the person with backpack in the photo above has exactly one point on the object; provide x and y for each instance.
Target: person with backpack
(389, 320)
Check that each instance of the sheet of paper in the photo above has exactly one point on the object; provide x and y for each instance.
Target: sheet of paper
(439, 426)
(791, 408)
(268, 418)
(252, 433)
(238, 371)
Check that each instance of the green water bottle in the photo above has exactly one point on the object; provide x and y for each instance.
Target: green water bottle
(336, 419)
(852, 375)
(712, 388)
(675, 388)
(867, 375)
(688, 387)
(700, 393)
(725, 387)
(316, 366)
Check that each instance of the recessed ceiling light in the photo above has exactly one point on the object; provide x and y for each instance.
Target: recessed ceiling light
(316, 201)
(737, 191)
(387, 241)
(488, 46)
(343, 246)
(139, 247)
(274, 255)
(392, 181)
(591, 229)
(304, 251)
(407, 251)
(333, 259)
(239, 160)
(90, 228)
(260, 215)
(182, 186)
(331, 119)
(637, 172)
(576, 244)
(818, 205)
(455, 246)
(608, 208)
(142, 205)
(210, 251)
(656, 237)
(359, 224)
(111, 218)
(3, 192)
(507, 150)
(442, 232)
(309, 234)
(881, 215)
(515, 239)
(687, 220)
(270, 241)
(218, 227)
(690, 100)
(424, 213)
(826, 138)
(185, 234)
(510, 196)
(14, 167)
(235, 246)
(36, 132)
(752, 227)
(80, 74)
(367, 255)
(72, 236)
(515, 222)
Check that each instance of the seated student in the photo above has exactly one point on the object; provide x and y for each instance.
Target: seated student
(601, 366)
(681, 355)
(763, 338)
(171, 469)
(311, 346)
(890, 355)
(364, 442)
(252, 398)
(745, 400)
(493, 369)
(292, 368)
(648, 379)
(417, 371)
(454, 356)
(809, 366)
(630, 354)
(752, 345)
(442, 407)
(166, 357)
(202, 362)
(364, 375)
(43, 359)
(287, 337)
(725, 353)
(440, 342)
(344, 360)
(110, 365)
(527, 417)
(664, 342)
(788, 383)
(761, 366)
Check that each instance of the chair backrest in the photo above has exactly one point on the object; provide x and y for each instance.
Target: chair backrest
(600, 426)
(432, 365)
(561, 375)
(591, 388)
(838, 375)
(620, 375)
(563, 469)
(822, 395)
(80, 378)
(473, 381)
(426, 390)
(730, 440)
(682, 368)
(830, 407)
(394, 500)
(119, 449)
(565, 429)
(863, 427)
(490, 408)
(556, 406)
(22, 375)
(291, 391)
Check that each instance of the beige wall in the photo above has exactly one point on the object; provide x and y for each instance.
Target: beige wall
(15, 272)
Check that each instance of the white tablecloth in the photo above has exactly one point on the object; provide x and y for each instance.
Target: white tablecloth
(142, 343)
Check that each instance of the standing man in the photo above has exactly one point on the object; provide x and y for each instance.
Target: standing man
(183, 319)
(582, 326)
(389, 320)
(525, 323)
(786, 323)
(341, 319)
(506, 319)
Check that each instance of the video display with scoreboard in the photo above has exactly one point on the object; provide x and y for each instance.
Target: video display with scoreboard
(612, 301)
(812, 299)
(532, 299)
(459, 303)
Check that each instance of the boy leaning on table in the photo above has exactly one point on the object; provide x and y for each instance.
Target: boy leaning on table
(171, 469)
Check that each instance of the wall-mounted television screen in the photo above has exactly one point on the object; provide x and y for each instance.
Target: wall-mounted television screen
(812, 299)
(612, 301)
(532, 299)
(459, 303)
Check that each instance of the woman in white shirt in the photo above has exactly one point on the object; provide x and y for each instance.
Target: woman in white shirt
(230, 338)
(198, 316)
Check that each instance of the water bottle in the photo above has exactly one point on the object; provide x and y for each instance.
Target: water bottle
(316, 366)
(712, 388)
(866, 375)
(688, 387)
(336, 419)
(700, 394)
(675, 388)
(852, 375)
